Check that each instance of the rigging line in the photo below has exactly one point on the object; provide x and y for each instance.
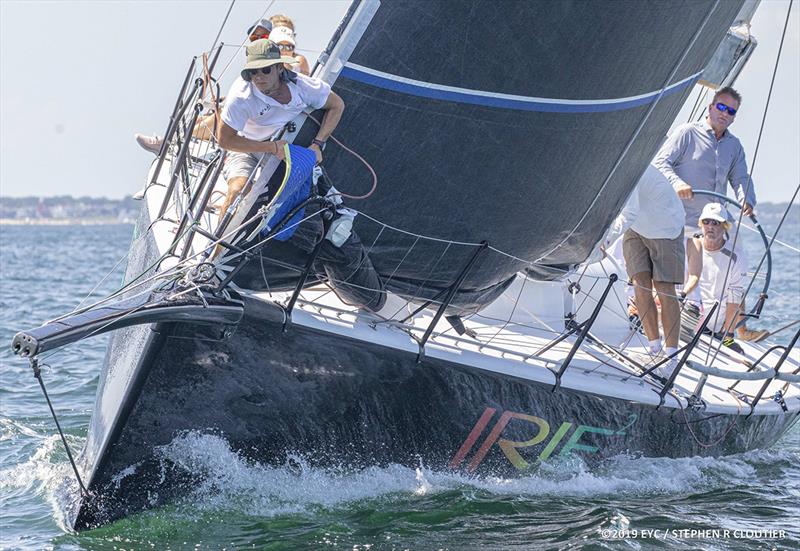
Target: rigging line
(219, 263)
(636, 132)
(702, 111)
(224, 21)
(748, 188)
(787, 326)
(130, 284)
(415, 295)
(357, 156)
(528, 262)
(61, 349)
(511, 315)
(700, 94)
(243, 43)
(427, 238)
(724, 434)
(778, 241)
(37, 373)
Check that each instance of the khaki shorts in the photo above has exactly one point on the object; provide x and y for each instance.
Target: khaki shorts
(665, 259)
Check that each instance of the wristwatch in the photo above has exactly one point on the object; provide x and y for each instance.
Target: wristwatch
(319, 143)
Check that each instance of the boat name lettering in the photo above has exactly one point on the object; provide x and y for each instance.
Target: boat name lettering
(510, 448)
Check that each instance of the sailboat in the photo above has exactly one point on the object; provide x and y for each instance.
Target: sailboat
(485, 176)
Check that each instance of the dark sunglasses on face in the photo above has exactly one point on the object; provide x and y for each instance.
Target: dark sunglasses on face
(265, 70)
(286, 47)
(254, 37)
(709, 222)
(722, 107)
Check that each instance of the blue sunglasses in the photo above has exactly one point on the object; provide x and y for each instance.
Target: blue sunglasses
(722, 107)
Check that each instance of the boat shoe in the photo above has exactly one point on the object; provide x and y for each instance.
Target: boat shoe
(753, 335)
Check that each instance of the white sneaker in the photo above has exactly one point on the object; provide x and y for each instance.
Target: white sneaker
(665, 370)
(149, 143)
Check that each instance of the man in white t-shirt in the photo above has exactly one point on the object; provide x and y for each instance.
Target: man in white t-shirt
(720, 272)
(260, 102)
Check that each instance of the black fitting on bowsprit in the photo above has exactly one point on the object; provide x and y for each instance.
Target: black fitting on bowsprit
(37, 373)
(762, 298)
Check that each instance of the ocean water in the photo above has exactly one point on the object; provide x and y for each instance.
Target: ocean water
(654, 503)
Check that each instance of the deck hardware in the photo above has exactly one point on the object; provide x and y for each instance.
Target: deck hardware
(178, 163)
(175, 116)
(777, 369)
(758, 361)
(37, 373)
(197, 203)
(778, 397)
(688, 352)
(585, 327)
(451, 292)
(695, 403)
(309, 265)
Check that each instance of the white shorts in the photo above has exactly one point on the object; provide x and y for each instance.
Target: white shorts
(243, 165)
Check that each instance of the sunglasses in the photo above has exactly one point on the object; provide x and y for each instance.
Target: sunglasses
(264, 70)
(254, 37)
(722, 107)
(286, 47)
(709, 222)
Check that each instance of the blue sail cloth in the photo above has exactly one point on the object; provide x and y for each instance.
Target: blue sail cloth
(295, 188)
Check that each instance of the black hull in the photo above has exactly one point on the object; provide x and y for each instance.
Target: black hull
(346, 403)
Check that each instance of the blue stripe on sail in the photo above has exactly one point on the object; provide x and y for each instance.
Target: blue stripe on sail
(503, 101)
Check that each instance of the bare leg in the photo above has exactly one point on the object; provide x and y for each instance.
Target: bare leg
(645, 304)
(203, 127)
(670, 313)
(235, 186)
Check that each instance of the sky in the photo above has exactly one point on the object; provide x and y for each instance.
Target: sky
(73, 92)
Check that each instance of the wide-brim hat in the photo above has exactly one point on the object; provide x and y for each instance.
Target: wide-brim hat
(263, 53)
(714, 211)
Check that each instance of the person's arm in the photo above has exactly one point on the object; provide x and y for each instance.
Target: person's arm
(732, 314)
(734, 292)
(665, 160)
(694, 264)
(229, 139)
(742, 183)
(302, 67)
(625, 219)
(334, 107)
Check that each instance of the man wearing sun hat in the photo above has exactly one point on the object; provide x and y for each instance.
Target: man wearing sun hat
(260, 103)
(720, 272)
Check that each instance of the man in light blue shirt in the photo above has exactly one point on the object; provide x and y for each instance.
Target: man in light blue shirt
(706, 156)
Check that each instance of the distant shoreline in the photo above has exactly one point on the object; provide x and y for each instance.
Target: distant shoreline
(64, 221)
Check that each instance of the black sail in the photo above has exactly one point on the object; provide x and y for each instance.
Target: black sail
(539, 175)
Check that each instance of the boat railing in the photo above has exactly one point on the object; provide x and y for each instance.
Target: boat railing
(195, 166)
(441, 302)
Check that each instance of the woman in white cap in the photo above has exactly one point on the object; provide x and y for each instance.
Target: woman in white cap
(283, 35)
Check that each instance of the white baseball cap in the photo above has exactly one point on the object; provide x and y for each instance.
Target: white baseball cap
(714, 211)
(282, 34)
